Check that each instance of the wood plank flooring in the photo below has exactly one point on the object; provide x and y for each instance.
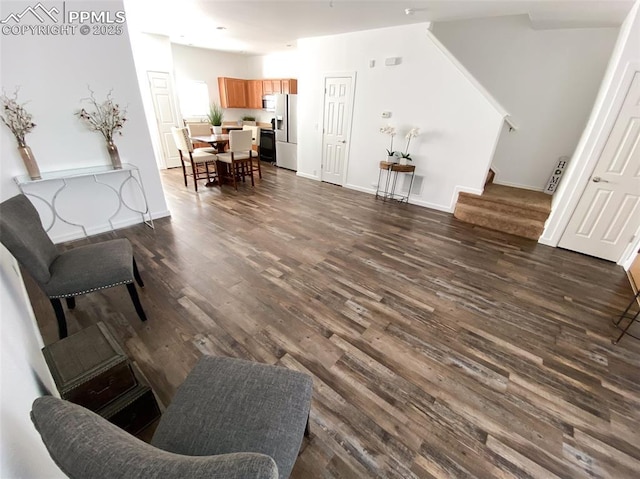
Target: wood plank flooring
(438, 349)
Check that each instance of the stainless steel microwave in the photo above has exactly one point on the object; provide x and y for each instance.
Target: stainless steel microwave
(269, 102)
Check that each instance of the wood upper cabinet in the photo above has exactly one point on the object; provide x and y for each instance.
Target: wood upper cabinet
(238, 93)
(254, 94)
(233, 92)
(290, 86)
(271, 87)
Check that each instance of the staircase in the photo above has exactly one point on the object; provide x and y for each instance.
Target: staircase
(511, 210)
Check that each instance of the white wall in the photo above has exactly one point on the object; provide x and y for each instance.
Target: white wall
(624, 61)
(459, 125)
(200, 64)
(24, 376)
(275, 65)
(53, 73)
(546, 79)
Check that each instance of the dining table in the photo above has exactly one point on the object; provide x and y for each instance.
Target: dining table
(219, 142)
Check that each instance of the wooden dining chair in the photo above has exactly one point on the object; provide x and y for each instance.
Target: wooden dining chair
(201, 161)
(200, 129)
(255, 141)
(239, 156)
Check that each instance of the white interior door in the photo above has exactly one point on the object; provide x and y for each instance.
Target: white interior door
(338, 107)
(608, 214)
(166, 116)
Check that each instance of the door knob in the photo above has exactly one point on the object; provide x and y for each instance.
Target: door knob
(343, 141)
(597, 179)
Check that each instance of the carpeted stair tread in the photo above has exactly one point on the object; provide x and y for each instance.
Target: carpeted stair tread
(497, 220)
(517, 197)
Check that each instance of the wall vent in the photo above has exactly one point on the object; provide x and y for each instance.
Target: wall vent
(416, 189)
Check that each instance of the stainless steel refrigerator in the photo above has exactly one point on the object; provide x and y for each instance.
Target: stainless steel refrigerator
(286, 126)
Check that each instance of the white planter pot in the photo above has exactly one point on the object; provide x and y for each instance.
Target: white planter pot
(392, 159)
(404, 161)
(217, 130)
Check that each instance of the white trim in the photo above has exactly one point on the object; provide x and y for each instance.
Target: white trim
(461, 189)
(471, 79)
(517, 185)
(105, 228)
(417, 202)
(586, 157)
(433, 206)
(307, 176)
(630, 252)
(362, 189)
(345, 166)
(509, 121)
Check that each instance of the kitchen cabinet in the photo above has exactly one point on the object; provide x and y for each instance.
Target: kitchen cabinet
(272, 87)
(233, 92)
(239, 93)
(254, 94)
(290, 86)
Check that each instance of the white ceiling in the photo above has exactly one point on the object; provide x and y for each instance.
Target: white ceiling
(263, 26)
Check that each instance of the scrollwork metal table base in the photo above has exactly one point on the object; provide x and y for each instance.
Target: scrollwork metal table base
(129, 172)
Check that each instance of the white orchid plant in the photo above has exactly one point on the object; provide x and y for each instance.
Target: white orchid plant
(413, 132)
(391, 131)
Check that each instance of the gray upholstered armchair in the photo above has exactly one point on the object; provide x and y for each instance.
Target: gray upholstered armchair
(71, 273)
(230, 419)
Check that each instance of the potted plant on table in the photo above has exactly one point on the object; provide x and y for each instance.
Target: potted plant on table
(215, 116)
(249, 120)
(19, 121)
(405, 157)
(391, 131)
(107, 118)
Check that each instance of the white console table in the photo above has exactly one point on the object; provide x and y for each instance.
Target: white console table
(128, 173)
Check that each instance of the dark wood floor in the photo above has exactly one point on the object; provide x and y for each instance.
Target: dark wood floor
(437, 349)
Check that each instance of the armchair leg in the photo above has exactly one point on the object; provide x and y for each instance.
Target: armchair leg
(71, 302)
(136, 274)
(136, 301)
(307, 429)
(62, 322)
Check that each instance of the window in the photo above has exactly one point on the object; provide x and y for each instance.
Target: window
(194, 98)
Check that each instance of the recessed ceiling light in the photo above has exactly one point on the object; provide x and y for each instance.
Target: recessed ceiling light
(221, 28)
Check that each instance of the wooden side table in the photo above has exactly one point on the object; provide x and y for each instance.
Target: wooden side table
(91, 369)
(392, 170)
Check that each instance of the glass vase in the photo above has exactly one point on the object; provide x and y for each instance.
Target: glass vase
(30, 162)
(114, 155)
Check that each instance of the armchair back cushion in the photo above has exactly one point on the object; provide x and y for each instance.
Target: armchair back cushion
(85, 445)
(22, 233)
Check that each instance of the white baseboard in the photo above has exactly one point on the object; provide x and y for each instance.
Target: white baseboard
(371, 191)
(461, 189)
(105, 228)
(307, 176)
(433, 206)
(517, 185)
